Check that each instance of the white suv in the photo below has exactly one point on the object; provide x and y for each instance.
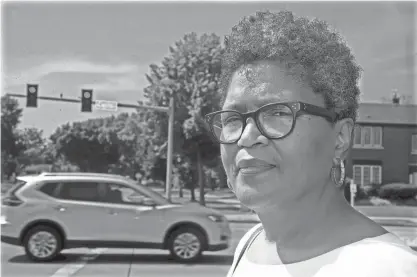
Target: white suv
(54, 211)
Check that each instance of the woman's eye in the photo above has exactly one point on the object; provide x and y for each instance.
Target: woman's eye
(278, 113)
(231, 119)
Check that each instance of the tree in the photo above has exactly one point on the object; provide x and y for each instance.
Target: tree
(10, 149)
(33, 146)
(117, 144)
(20, 147)
(200, 147)
(92, 145)
(135, 146)
(190, 74)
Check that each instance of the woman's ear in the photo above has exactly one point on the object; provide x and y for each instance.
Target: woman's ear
(344, 137)
(229, 184)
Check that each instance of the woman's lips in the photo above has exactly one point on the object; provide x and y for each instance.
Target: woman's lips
(252, 170)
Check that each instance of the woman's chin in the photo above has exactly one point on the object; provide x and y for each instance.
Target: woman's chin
(251, 198)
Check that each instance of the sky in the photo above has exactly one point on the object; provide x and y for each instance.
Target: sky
(108, 47)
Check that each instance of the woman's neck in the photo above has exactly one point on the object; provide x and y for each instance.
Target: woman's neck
(301, 223)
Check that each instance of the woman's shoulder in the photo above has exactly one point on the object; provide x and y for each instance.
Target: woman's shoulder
(388, 243)
(386, 254)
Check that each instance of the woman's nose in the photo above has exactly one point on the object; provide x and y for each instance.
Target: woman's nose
(251, 135)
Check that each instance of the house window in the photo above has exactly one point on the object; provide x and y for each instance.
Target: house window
(414, 143)
(367, 174)
(368, 137)
(412, 171)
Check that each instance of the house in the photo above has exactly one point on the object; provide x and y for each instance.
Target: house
(385, 144)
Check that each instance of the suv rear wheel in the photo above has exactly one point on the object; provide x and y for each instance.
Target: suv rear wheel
(186, 244)
(42, 243)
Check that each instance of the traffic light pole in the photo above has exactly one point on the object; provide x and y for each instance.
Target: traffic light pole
(121, 105)
(169, 110)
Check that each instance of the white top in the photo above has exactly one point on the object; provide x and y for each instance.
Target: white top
(381, 256)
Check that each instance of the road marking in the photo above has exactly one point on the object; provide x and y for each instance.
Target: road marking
(72, 268)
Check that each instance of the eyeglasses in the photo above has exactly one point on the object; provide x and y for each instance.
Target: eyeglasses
(274, 121)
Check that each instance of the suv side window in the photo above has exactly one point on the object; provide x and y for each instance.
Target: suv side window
(79, 191)
(120, 194)
(50, 189)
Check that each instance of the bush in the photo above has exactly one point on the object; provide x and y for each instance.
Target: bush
(367, 191)
(398, 191)
(361, 193)
(371, 190)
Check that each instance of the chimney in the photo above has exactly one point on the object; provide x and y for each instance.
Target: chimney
(395, 97)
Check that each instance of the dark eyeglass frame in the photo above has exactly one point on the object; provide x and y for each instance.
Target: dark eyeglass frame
(297, 108)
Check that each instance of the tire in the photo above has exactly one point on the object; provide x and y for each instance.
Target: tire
(54, 238)
(196, 241)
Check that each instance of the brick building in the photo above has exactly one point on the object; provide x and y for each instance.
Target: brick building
(385, 145)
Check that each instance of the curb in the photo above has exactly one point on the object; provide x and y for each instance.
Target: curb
(384, 221)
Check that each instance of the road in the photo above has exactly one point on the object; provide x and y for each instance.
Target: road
(129, 262)
(118, 262)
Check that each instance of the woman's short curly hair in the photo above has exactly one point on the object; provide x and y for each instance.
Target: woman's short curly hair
(307, 48)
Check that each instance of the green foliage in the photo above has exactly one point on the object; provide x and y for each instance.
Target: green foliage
(117, 144)
(370, 190)
(20, 147)
(136, 143)
(33, 146)
(10, 118)
(10, 148)
(190, 74)
(398, 191)
(91, 145)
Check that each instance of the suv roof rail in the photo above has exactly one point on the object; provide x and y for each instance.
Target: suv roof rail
(86, 174)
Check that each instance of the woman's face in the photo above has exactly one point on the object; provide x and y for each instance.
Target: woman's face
(263, 172)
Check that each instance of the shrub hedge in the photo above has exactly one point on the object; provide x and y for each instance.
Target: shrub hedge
(398, 191)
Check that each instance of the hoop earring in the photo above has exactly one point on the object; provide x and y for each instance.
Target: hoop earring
(339, 183)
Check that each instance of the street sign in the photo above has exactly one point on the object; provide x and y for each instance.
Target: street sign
(353, 188)
(106, 105)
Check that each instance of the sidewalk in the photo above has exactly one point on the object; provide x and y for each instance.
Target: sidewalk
(383, 220)
(225, 202)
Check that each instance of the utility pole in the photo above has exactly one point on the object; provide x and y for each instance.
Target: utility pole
(170, 147)
(353, 191)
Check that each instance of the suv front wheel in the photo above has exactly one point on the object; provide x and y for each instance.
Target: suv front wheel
(42, 243)
(186, 244)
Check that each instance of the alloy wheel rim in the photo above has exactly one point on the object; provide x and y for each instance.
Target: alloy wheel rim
(187, 245)
(42, 244)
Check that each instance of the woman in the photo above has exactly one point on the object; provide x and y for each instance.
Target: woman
(290, 103)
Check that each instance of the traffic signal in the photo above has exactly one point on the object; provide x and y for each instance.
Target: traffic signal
(86, 100)
(32, 95)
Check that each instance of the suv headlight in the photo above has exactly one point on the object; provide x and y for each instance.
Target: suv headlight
(216, 218)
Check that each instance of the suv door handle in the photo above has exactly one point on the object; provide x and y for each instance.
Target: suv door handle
(113, 212)
(60, 208)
